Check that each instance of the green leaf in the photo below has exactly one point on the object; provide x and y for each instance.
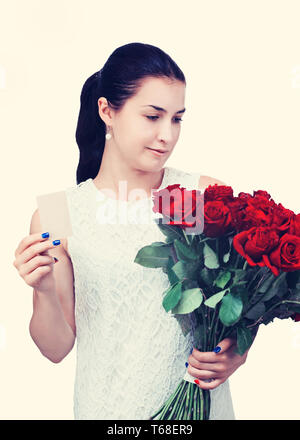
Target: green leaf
(239, 288)
(294, 308)
(293, 278)
(172, 297)
(244, 339)
(185, 270)
(171, 231)
(159, 243)
(155, 255)
(207, 276)
(256, 311)
(184, 252)
(213, 300)
(231, 309)
(171, 274)
(227, 255)
(279, 287)
(266, 284)
(169, 240)
(210, 257)
(190, 300)
(222, 279)
(239, 275)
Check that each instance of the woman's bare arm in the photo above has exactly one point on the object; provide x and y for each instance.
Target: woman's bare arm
(52, 326)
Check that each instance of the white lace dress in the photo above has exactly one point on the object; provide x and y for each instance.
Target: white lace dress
(131, 353)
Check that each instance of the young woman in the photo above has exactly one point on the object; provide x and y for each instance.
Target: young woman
(131, 354)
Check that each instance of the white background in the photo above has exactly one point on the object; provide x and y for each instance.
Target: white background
(241, 60)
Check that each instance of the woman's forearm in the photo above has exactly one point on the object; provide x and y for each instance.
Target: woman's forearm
(48, 327)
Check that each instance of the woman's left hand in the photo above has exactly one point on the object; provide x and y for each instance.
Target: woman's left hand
(218, 366)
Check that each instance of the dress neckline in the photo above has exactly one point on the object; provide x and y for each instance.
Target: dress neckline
(127, 202)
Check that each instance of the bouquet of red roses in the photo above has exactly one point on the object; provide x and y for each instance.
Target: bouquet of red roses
(233, 263)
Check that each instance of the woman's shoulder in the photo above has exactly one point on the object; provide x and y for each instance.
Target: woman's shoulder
(205, 181)
(202, 180)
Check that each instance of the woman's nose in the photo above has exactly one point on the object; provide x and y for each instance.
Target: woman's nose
(166, 134)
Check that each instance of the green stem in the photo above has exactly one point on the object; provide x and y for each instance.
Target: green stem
(186, 237)
(204, 329)
(281, 302)
(222, 333)
(207, 403)
(236, 264)
(218, 249)
(180, 410)
(191, 400)
(186, 402)
(212, 327)
(195, 405)
(201, 403)
(175, 403)
(166, 404)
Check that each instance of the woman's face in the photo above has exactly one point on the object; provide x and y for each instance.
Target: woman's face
(139, 126)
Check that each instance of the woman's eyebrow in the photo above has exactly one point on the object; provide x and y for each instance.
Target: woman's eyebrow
(162, 109)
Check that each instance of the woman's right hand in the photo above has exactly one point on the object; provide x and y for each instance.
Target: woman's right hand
(34, 263)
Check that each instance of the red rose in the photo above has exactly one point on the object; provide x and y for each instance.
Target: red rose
(255, 243)
(296, 317)
(244, 197)
(217, 219)
(218, 192)
(287, 254)
(180, 206)
(263, 194)
(251, 211)
(282, 219)
(295, 225)
(237, 209)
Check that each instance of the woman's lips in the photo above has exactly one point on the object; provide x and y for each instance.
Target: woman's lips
(156, 152)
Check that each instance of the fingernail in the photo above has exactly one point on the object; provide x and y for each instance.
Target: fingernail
(191, 350)
(45, 235)
(186, 364)
(196, 381)
(56, 242)
(217, 349)
(55, 259)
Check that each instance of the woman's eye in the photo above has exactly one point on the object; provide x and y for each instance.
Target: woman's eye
(153, 118)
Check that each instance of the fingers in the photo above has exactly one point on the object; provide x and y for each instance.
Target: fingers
(225, 344)
(209, 385)
(33, 263)
(207, 356)
(214, 356)
(30, 247)
(28, 241)
(216, 367)
(202, 374)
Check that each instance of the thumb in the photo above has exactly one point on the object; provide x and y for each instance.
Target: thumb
(224, 345)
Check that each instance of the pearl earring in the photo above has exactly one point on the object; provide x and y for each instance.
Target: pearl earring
(108, 136)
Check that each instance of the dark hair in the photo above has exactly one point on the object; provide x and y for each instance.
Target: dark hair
(118, 80)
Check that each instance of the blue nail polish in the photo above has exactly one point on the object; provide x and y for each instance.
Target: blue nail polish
(192, 350)
(186, 364)
(56, 242)
(217, 349)
(45, 235)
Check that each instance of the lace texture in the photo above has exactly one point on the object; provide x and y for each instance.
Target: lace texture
(131, 354)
